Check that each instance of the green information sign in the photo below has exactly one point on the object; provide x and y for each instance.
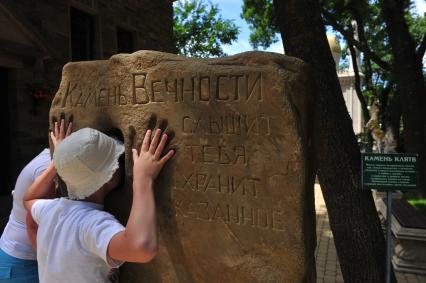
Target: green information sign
(389, 172)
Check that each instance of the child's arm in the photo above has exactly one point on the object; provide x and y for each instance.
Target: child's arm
(138, 242)
(44, 186)
(32, 228)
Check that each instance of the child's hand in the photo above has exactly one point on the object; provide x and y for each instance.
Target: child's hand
(60, 132)
(148, 163)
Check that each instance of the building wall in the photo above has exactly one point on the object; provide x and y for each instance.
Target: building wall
(347, 83)
(35, 42)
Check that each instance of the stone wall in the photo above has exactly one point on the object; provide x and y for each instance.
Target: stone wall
(35, 43)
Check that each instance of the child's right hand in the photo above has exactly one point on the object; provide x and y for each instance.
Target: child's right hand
(60, 132)
(148, 163)
(138, 242)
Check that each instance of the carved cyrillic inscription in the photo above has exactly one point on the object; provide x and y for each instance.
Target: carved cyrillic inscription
(228, 124)
(144, 88)
(220, 184)
(232, 214)
(221, 154)
(139, 93)
(102, 97)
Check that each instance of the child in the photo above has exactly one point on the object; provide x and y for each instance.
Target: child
(17, 256)
(76, 240)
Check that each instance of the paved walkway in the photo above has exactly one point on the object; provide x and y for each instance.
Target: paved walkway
(328, 268)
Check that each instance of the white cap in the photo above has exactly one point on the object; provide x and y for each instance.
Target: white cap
(86, 160)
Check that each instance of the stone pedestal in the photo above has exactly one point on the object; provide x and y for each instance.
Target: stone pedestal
(409, 244)
(410, 254)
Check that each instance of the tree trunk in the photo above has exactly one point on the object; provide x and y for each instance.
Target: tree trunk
(353, 218)
(408, 75)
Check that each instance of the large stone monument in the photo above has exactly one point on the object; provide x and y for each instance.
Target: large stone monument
(236, 202)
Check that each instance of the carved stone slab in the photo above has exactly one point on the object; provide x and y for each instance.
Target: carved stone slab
(236, 202)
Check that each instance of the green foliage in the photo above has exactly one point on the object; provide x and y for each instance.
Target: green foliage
(200, 31)
(260, 14)
(367, 12)
(416, 25)
(340, 16)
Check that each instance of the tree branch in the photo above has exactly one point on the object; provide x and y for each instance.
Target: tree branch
(358, 90)
(348, 35)
(356, 10)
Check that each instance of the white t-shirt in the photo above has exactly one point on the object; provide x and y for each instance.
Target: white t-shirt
(72, 241)
(14, 240)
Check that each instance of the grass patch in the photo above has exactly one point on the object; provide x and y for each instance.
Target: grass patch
(419, 204)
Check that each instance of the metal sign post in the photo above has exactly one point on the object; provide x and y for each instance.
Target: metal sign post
(388, 236)
(389, 172)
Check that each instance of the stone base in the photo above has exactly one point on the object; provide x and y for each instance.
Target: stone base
(409, 244)
(410, 251)
(401, 265)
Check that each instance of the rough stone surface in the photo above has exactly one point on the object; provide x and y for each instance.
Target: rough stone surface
(236, 202)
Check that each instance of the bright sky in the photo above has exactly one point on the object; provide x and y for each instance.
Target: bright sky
(231, 9)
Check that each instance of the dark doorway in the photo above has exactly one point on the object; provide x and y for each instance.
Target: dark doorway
(6, 173)
(82, 36)
(124, 41)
